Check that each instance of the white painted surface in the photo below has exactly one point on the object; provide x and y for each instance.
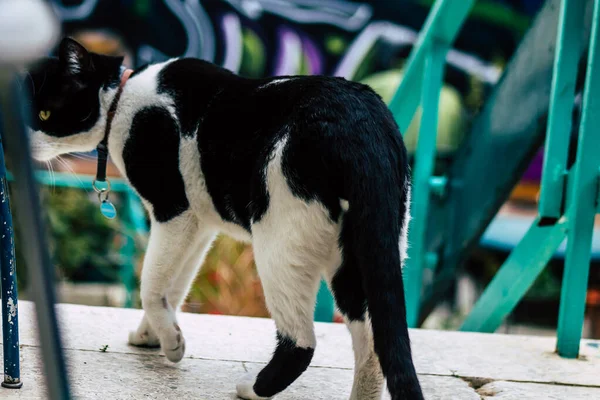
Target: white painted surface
(222, 349)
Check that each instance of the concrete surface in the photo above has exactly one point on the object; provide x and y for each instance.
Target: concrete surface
(220, 349)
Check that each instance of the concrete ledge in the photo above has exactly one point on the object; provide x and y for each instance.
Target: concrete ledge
(220, 349)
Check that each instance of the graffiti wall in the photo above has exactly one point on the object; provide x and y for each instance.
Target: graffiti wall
(258, 38)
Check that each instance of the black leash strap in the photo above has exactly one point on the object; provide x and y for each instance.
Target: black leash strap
(102, 148)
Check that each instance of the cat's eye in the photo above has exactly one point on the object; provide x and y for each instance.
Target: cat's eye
(44, 115)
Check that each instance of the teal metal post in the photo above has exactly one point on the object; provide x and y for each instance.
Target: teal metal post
(422, 82)
(423, 169)
(583, 197)
(325, 305)
(581, 204)
(598, 196)
(516, 276)
(566, 62)
(442, 24)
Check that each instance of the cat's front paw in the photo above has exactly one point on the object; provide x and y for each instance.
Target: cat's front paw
(245, 388)
(173, 344)
(145, 338)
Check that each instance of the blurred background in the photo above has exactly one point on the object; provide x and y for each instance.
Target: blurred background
(98, 261)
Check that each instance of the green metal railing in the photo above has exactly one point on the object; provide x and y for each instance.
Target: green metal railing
(569, 197)
(421, 85)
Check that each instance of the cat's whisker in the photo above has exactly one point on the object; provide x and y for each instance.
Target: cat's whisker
(65, 164)
(82, 156)
(87, 116)
(52, 178)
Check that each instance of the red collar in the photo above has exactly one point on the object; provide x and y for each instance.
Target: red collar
(102, 148)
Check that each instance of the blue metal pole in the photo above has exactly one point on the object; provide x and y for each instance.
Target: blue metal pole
(8, 277)
(32, 234)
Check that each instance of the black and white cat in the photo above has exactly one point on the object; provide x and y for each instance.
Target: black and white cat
(311, 170)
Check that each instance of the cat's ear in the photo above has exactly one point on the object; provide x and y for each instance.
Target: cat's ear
(74, 58)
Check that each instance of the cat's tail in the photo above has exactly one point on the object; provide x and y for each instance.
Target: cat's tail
(378, 211)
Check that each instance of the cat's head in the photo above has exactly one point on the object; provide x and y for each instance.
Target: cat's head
(67, 114)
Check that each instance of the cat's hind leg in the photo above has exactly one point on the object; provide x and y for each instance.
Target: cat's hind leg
(345, 282)
(290, 286)
(293, 243)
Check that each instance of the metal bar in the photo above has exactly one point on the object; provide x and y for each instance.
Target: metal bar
(598, 195)
(438, 185)
(32, 235)
(8, 276)
(442, 25)
(63, 179)
(508, 132)
(515, 277)
(423, 169)
(583, 208)
(566, 63)
(324, 308)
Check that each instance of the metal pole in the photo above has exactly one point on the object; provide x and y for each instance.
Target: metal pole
(433, 78)
(8, 287)
(581, 206)
(28, 30)
(32, 236)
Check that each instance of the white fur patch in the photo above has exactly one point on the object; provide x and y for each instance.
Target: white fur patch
(45, 147)
(368, 378)
(293, 243)
(245, 388)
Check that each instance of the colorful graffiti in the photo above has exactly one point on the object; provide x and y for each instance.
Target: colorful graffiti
(270, 37)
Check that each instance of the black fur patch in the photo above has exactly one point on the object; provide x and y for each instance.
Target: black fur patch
(347, 283)
(72, 101)
(151, 157)
(288, 363)
(194, 85)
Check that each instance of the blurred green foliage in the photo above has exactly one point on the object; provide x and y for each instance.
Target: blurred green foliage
(83, 244)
